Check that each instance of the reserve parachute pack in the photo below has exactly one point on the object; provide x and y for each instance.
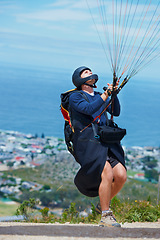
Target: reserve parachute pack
(66, 112)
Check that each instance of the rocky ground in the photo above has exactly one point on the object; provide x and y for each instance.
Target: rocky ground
(30, 231)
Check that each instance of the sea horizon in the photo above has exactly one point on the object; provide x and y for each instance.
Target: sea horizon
(30, 104)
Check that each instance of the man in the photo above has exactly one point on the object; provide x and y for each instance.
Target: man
(102, 169)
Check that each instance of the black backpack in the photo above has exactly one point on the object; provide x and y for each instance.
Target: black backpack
(66, 112)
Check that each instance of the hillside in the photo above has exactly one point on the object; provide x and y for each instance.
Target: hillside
(57, 175)
(42, 168)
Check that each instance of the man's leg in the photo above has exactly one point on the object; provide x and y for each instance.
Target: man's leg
(105, 186)
(105, 191)
(109, 188)
(120, 177)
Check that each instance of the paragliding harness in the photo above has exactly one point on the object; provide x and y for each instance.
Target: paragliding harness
(109, 133)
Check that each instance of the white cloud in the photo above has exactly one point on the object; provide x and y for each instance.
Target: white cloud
(78, 4)
(68, 23)
(8, 5)
(61, 3)
(64, 10)
(57, 15)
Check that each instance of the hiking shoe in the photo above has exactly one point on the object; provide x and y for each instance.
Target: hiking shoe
(98, 208)
(108, 220)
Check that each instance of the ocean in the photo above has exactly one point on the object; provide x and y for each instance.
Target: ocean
(30, 103)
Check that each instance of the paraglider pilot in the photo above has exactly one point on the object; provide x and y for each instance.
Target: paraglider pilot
(103, 171)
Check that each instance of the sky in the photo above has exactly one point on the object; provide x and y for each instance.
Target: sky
(53, 33)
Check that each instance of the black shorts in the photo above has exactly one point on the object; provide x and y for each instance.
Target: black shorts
(111, 158)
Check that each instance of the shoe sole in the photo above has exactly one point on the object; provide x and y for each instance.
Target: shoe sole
(109, 225)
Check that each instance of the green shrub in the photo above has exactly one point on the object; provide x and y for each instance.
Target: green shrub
(44, 212)
(93, 217)
(26, 209)
(137, 211)
(142, 211)
(70, 215)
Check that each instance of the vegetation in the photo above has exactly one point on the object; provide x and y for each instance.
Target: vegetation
(63, 195)
(138, 211)
(26, 208)
(150, 163)
(71, 215)
(139, 190)
(8, 210)
(58, 191)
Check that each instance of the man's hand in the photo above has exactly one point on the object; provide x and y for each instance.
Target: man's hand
(108, 90)
(110, 86)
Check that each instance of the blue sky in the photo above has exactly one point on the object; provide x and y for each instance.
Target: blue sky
(50, 33)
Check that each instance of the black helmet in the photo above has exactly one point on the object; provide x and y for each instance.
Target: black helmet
(76, 77)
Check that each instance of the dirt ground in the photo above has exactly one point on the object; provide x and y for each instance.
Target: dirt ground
(30, 231)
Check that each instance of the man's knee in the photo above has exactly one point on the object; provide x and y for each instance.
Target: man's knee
(120, 176)
(123, 177)
(107, 172)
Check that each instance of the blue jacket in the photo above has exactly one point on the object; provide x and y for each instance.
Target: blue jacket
(91, 108)
(91, 153)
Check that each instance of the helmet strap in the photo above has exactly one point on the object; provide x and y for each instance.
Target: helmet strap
(92, 86)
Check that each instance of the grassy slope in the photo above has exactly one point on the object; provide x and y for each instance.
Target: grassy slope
(61, 175)
(8, 209)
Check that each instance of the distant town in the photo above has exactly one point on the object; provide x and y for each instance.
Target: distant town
(18, 150)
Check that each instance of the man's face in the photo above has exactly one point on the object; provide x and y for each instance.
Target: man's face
(87, 73)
